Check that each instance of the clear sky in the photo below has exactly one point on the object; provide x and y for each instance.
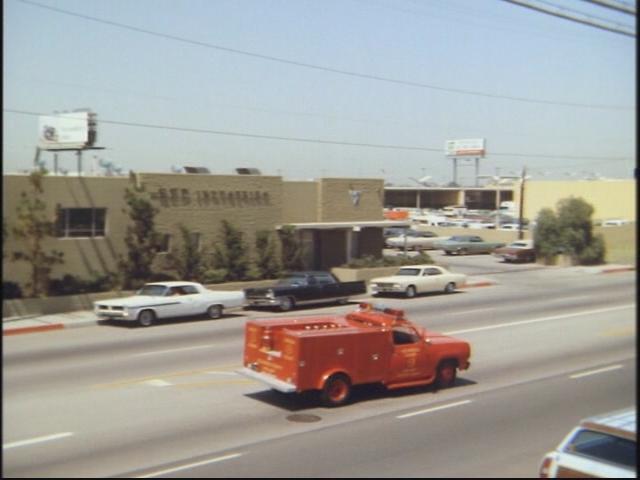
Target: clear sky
(325, 88)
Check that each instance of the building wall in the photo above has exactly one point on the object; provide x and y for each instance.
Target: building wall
(200, 202)
(82, 256)
(299, 201)
(336, 199)
(609, 198)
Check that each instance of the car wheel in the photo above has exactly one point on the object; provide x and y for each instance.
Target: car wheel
(447, 372)
(336, 390)
(286, 304)
(146, 318)
(214, 311)
(410, 292)
(450, 287)
(463, 251)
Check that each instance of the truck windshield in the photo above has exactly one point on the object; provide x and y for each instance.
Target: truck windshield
(293, 280)
(408, 271)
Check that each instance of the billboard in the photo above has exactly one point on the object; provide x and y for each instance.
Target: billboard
(73, 130)
(471, 147)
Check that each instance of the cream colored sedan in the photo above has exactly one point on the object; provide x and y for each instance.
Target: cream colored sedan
(411, 280)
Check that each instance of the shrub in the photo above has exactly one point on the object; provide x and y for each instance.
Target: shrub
(369, 261)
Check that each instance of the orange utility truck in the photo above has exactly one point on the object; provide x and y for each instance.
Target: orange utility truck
(333, 353)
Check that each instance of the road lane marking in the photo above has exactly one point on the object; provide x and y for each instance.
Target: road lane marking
(174, 350)
(156, 382)
(32, 441)
(537, 320)
(190, 465)
(434, 409)
(595, 372)
(133, 381)
(471, 311)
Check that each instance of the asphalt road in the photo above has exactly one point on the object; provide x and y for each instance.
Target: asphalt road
(548, 348)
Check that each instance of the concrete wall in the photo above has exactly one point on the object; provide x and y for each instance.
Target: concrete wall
(82, 255)
(299, 202)
(336, 203)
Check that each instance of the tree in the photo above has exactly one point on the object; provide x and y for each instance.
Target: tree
(31, 229)
(142, 239)
(292, 250)
(230, 253)
(569, 231)
(188, 260)
(577, 238)
(546, 236)
(267, 261)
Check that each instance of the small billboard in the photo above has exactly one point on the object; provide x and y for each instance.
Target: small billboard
(470, 147)
(75, 130)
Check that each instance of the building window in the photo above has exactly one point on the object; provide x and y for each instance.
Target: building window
(81, 222)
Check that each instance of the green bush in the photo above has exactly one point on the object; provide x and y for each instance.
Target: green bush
(594, 253)
(217, 275)
(369, 261)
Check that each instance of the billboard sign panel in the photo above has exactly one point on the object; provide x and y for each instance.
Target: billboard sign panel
(471, 147)
(63, 131)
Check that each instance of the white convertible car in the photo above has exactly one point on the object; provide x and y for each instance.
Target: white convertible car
(414, 279)
(168, 299)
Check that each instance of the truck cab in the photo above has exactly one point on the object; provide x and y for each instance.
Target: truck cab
(331, 354)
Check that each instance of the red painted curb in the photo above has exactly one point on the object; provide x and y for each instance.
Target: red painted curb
(621, 269)
(479, 284)
(40, 328)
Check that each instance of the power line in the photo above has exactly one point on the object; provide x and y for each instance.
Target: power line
(320, 67)
(618, 6)
(565, 16)
(567, 9)
(317, 140)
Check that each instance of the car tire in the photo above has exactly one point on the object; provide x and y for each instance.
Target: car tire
(146, 318)
(447, 373)
(410, 292)
(463, 251)
(214, 311)
(336, 390)
(450, 287)
(286, 304)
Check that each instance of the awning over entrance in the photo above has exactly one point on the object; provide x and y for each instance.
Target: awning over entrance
(331, 244)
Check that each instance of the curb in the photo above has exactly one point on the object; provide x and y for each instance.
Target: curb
(486, 283)
(40, 328)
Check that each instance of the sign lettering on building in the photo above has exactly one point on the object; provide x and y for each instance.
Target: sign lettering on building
(183, 197)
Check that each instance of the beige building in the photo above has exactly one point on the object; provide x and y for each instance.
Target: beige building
(337, 219)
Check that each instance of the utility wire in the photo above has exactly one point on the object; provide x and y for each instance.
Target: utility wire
(565, 16)
(319, 67)
(618, 6)
(316, 140)
(594, 17)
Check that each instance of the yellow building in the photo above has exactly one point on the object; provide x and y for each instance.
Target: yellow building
(336, 218)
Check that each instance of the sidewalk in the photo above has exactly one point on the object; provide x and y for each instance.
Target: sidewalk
(86, 318)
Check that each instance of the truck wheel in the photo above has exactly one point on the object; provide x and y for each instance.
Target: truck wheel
(336, 390)
(410, 292)
(146, 318)
(286, 304)
(447, 372)
(450, 287)
(214, 311)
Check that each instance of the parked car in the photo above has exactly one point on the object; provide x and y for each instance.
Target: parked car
(415, 279)
(301, 288)
(518, 251)
(600, 446)
(166, 300)
(465, 244)
(414, 240)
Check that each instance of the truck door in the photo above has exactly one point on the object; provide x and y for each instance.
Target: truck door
(410, 359)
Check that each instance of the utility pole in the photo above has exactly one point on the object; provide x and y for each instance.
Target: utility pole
(522, 180)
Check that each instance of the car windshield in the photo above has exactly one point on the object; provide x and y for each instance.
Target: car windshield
(519, 245)
(408, 271)
(293, 280)
(152, 290)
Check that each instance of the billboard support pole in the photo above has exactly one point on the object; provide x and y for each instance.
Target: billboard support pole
(477, 170)
(79, 153)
